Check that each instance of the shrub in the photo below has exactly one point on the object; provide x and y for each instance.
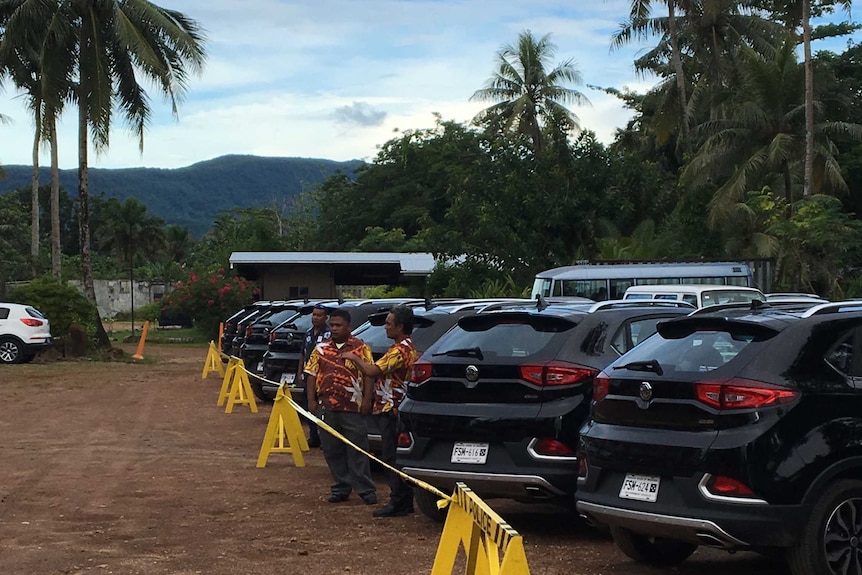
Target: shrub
(61, 303)
(208, 298)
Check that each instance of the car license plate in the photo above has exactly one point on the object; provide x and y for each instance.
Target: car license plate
(260, 367)
(287, 378)
(470, 453)
(640, 487)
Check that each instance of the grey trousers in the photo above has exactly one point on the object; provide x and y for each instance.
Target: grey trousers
(350, 469)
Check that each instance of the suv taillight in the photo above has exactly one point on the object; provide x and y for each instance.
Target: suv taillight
(550, 446)
(601, 386)
(31, 322)
(728, 487)
(420, 372)
(248, 331)
(272, 337)
(738, 393)
(557, 373)
(404, 439)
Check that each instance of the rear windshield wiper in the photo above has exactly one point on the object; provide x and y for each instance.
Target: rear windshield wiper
(649, 365)
(462, 352)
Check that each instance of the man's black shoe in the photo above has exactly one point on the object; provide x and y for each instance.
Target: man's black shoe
(314, 442)
(337, 498)
(390, 510)
(370, 499)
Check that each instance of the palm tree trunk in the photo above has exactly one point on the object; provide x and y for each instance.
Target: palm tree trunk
(55, 197)
(809, 99)
(34, 202)
(102, 339)
(680, 74)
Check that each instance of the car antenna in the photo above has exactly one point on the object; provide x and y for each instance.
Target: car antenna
(541, 302)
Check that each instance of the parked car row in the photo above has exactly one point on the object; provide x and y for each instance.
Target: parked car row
(735, 425)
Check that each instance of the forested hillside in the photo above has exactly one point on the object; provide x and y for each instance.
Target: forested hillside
(192, 196)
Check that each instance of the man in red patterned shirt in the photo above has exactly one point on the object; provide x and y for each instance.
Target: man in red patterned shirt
(392, 371)
(340, 395)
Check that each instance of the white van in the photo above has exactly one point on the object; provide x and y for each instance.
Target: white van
(697, 295)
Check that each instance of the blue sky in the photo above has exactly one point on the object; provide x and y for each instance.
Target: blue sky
(336, 78)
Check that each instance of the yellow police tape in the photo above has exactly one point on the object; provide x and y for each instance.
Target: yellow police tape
(235, 363)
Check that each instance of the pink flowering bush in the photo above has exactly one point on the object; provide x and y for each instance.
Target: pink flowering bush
(209, 298)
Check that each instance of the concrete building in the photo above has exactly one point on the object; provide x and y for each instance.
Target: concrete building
(291, 275)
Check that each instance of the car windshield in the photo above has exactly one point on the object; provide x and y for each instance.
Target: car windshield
(716, 297)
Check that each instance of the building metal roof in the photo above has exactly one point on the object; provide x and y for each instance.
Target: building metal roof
(415, 264)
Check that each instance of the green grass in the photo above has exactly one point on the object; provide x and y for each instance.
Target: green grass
(157, 336)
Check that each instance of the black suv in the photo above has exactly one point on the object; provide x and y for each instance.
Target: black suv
(257, 339)
(733, 428)
(230, 325)
(498, 400)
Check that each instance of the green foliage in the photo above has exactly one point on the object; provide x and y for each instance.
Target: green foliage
(819, 246)
(500, 287)
(380, 292)
(61, 303)
(149, 312)
(208, 298)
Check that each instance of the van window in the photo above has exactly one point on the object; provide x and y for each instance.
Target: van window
(690, 299)
(670, 296)
(619, 287)
(657, 281)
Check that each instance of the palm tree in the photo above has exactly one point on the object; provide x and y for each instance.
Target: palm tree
(106, 46)
(640, 25)
(800, 11)
(23, 65)
(761, 141)
(528, 95)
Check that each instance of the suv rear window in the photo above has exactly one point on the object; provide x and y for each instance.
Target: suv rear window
(698, 349)
(505, 336)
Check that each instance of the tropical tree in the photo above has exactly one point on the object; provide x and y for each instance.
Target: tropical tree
(128, 230)
(21, 60)
(528, 95)
(760, 140)
(796, 14)
(107, 47)
(640, 25)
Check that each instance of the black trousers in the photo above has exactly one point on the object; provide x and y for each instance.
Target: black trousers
(400, 491)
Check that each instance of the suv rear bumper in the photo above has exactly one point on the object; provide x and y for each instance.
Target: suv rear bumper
(33, 348)
(507, 485)
(690, 517)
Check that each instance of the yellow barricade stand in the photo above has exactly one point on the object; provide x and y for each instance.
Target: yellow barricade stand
(484, 535)
(213, 362)
(284, 432)
(235, 388)
(232, 364)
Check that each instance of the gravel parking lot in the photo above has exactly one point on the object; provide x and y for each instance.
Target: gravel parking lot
(131, 468)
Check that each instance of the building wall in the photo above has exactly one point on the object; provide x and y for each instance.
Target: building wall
(297, 281)
(115, 296)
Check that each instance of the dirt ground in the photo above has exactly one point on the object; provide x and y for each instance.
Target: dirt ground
(133, 469)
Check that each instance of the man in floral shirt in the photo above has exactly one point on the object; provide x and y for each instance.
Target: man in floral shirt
(391, 372)
(340, 395)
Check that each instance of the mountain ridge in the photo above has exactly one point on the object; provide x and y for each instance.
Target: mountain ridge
(192, 195)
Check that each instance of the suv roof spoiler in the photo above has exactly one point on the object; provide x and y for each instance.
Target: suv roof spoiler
(626, 303)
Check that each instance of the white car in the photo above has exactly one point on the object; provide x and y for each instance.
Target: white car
(24, 332)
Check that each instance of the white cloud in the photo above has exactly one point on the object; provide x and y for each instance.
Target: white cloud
(334, 78)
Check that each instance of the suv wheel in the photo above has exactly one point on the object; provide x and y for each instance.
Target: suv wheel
(831, 543)
(10, 351)
(427, 504)
(654, 551)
